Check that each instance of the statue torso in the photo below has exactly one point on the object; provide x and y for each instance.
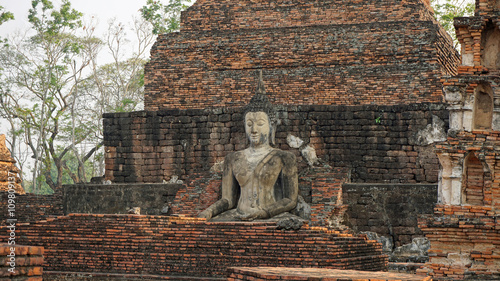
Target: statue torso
(258, 177)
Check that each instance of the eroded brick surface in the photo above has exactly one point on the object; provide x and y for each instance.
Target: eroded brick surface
(327, 52)
(27, 262)
(465, 242)
(31, 207)
(9, 173)
(389, 210)
(133, 244)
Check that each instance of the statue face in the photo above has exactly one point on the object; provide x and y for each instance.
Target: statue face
(257, 128)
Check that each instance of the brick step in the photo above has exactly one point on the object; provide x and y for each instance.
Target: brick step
(86, 276)
(305, 274)
(404, 267)
(168, 246)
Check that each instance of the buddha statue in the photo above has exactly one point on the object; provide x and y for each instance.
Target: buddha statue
(259, 182)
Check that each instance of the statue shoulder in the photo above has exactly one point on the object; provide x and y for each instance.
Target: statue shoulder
(233, 156)
(286, 156)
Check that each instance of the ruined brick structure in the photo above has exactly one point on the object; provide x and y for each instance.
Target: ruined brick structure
(322, 52)
(465, 231)
(9, 173)
(378, 143)
(359, 81)
(355, 79)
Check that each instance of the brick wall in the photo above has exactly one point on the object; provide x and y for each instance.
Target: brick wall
(322, 189)
(132, 244)
(246, 14)
(328, 52)
(327, 65)
(27, 262)
(465, 242)
(391, 210)
(118, 198)
(200, 191)
(486, 7)
(30, 207)
(378, 142)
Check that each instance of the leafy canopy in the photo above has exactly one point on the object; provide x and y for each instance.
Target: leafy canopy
(5, 15)
(164, 18)
(446, 10)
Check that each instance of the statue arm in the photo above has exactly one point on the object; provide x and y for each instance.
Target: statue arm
(290, 182)
(229, 192)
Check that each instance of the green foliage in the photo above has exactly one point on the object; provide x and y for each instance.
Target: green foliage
(446, 10)
(70, 171)
(41, 187)
(50, 22)
(5, 15)
(53, 91)
(40, 80)
(164, 18)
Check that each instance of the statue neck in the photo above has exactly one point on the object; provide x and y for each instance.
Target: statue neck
(255, 154)
(260, 148)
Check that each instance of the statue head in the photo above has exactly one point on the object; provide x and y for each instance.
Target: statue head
(257, 128)
(260, 117)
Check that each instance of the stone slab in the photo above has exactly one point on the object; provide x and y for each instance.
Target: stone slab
(323, 274)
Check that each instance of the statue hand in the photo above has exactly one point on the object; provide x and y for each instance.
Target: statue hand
(258, 214)
(207, 214)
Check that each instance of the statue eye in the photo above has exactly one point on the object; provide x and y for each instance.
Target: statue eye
(249, 124)
(260, 123)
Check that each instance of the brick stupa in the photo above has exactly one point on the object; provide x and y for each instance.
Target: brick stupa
(336, 68)
(8, 169)
(331, 52)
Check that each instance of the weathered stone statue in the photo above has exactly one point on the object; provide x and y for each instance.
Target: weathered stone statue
(259, 182)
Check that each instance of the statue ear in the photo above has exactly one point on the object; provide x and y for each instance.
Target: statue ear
(272, 135)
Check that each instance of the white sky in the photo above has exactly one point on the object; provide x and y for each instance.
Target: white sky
(122, 10)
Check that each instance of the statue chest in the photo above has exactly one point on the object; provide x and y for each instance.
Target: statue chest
(263, 173)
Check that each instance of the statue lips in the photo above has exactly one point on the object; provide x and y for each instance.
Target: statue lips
(255, 137)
